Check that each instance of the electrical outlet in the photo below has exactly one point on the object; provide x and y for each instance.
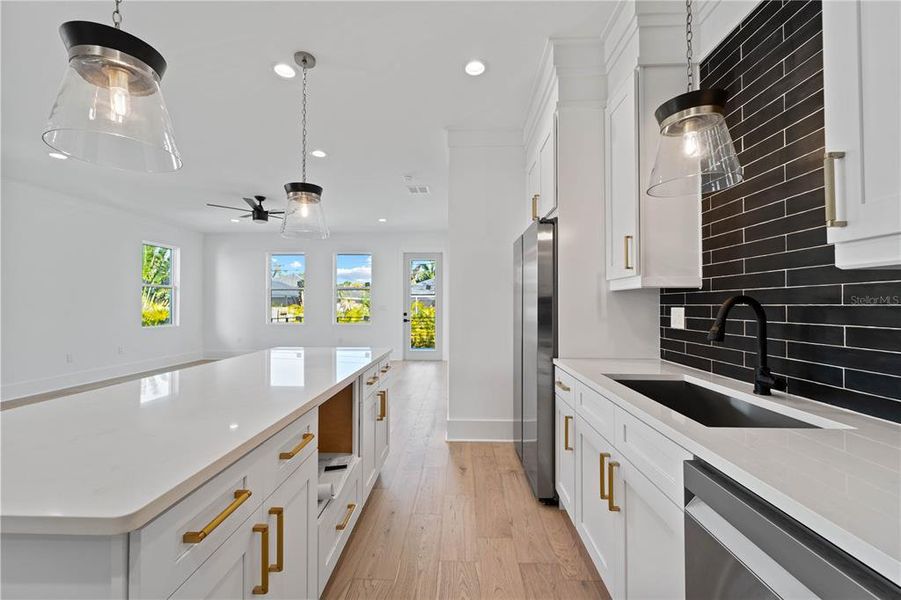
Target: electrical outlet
(677, 317)
(69, 358)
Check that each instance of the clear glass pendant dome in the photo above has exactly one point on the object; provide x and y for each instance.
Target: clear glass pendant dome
(695, 153)
(110, 109)
(304, 217)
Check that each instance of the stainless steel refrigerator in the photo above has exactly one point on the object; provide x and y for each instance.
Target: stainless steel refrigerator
(534, 348)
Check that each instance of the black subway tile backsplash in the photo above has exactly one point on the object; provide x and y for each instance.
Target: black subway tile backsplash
(834, 334)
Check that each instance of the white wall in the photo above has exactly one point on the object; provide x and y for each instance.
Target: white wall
(72, 285)
(486, 186)
(236, 305)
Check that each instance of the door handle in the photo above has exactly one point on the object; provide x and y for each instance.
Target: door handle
(829, 188)
(263, 588)
(567, 419)
(603, 495)
(627, 242)
(279, 564)
(611, 504)
(406, 320)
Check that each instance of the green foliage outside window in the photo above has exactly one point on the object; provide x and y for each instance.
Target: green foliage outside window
(353, 302)
(157, 288)
(422, 325)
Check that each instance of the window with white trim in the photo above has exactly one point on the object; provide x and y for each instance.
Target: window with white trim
(159, 285)
(353, 288)
(286, 287)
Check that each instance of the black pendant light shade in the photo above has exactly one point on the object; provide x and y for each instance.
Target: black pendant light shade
(110, 109)
(695, 152)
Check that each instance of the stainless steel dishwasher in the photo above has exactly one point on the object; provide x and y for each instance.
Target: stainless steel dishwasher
(739, 546)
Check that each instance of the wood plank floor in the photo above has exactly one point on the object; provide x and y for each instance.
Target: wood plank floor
(455, 520)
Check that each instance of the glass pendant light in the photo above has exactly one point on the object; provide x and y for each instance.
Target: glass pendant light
(303, 216)
(110, 109)
(695, 152)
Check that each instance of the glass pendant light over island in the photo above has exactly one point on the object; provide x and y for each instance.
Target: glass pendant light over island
(110, 109)
(695, 151)
(304, 217)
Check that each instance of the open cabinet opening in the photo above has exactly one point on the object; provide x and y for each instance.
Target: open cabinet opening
(337, 451)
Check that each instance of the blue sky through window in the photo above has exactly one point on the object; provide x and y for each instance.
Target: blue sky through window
(356, 268)
(288, 268)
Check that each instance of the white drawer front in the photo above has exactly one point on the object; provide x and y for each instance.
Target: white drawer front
(656, 456)
(159, 557)
(596, 409)
(336, 523)
(370, 381)
(564, 385)
(287, 449)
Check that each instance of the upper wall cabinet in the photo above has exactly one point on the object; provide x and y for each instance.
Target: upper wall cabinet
(862, 165)
(651, 242)
(541, 177)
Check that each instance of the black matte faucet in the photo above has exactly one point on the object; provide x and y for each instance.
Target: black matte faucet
(764, 381)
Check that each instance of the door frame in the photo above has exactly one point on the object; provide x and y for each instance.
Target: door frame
(438, 352)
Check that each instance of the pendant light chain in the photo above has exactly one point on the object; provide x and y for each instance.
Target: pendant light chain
(117, 16)
(688, 36)
(303, 119)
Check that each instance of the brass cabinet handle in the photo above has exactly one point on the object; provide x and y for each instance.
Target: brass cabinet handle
(386, 368)
(372, 380)
(566, 421)
(626, 254)
(195, 537)
(305, 439)
(611, 505)
(383, 405)
(535, 206)
(562, 386)
(829, 188)
(263, 588)
(603, 457)
(343, 524)
(279, 563)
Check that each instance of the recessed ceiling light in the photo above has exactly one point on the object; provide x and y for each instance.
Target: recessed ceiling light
(284, 71)
(319, 153)
(235, 220)
(58, 155)
(474, 68)
(383, 220)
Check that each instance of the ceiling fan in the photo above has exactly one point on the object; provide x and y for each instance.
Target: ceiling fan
(259, 214)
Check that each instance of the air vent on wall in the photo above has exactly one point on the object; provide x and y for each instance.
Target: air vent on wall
(418, 190)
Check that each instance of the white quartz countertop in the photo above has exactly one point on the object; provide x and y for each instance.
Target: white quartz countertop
(109, 460)
(844, 482)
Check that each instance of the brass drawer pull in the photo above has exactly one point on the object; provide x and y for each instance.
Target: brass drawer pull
(626, 252)
(195, 537)
(383, 405)
(279, 564)
(372, 380)
(305, 439)
(343, 524)
(263, 588)
(386, 368)
(566, 421)
(611, 504)
(562, 386)
(829, 188)
(604, 456)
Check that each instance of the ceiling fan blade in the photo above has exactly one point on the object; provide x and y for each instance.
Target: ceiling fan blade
(247, 216)
(271, 216)
(251, 203)
(276, 212)
(229, 207)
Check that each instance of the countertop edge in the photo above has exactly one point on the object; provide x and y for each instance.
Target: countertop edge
(112, 526)
(853, 545)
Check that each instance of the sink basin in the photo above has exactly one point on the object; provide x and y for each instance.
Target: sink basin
(708, 407)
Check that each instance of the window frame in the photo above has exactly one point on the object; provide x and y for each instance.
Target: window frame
(268, 286)
(334, 302)
(174, 279)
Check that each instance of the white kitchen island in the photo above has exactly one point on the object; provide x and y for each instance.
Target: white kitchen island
(199, 482)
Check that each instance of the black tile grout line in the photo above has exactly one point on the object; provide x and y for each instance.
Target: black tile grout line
(786, 198)
(767, 22)
(783, 95)
(774, 117)
(785, 340)
(769, 237)
(785, 74)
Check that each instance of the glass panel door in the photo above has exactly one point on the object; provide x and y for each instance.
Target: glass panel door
(422, 306)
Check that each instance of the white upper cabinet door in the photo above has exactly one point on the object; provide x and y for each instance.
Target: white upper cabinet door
(547, 160)
(622, 197)
(862, 75)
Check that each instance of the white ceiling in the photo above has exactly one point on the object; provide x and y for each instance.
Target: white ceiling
(388, 83)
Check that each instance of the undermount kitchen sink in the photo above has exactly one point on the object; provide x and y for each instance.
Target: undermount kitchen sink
(709, 407)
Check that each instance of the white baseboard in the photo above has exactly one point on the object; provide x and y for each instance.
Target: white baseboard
(20, 389)
(479, 430)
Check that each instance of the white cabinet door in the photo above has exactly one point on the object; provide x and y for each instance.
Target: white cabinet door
(622, 193)
(232, 571)
(547, 160)
(862, 79)
(293, 574)
(598, 526)
(654, 540)
(382, 428)
(367, 441)
(566, 455)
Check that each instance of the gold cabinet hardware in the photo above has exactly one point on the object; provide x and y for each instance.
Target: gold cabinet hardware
(372, 380)
(343, 524)
(566, 421)
(535, 206)
(383, 405)
(611, 505)
(627, 255)
(279, 563)
(603, 456)
(305, 439)
(263, 588)
(195, 537)
(386, 368)
(562, 386)
(829, 188)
